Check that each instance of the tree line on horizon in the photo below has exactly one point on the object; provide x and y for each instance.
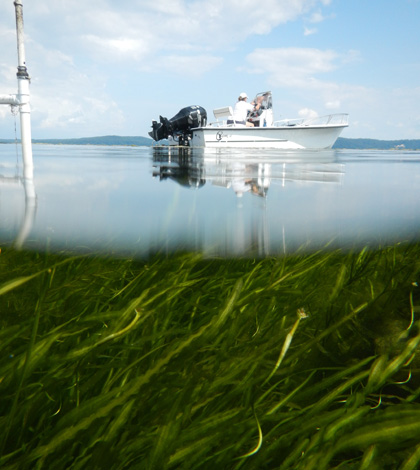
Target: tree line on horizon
(341, 143)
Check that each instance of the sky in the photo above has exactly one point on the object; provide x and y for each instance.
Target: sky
(102, 67)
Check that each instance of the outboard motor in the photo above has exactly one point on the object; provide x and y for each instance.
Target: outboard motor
(180, 125)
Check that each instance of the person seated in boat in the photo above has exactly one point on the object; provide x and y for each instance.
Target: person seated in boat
(254, 115)
(241, 110)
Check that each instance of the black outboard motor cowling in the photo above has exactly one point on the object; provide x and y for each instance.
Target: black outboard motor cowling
(180, 125)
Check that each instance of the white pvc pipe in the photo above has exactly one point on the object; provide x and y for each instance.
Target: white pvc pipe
(23, 96)
(19, 30)
(25, 128)
(22, 101)
(9, 99)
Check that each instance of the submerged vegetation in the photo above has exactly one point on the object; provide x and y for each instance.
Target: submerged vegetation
(302, 362)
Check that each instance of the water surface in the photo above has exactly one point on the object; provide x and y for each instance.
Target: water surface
(141, 200)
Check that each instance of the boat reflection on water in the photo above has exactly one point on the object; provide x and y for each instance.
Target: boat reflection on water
(244, 172)
(250, 229)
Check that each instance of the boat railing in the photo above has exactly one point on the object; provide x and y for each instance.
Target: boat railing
(224, 124)
(219, 124)
(339, 119)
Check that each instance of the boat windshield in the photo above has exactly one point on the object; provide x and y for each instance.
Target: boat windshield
(265, 99)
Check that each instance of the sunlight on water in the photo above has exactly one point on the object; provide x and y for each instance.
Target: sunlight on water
(140, 200)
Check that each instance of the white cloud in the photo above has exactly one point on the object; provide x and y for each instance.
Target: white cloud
(5, 112)
(76, 104)
(166, 24)
(188, 66)
(6, 72)
(351, 56)
(58, 113)
(309, 31)
(307, 113)
(118, 48)
(316, 17)
(335, 104)
(294, 67)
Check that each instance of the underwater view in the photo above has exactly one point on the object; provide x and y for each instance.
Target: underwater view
(165, 310)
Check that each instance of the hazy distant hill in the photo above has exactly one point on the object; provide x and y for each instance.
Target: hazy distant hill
(103, 140)
(342, 143)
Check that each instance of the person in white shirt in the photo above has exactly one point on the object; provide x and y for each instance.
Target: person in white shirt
(241, 109)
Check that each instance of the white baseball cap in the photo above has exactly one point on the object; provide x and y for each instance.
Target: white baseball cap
(243, 95)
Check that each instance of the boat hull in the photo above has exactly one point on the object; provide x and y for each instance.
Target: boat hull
(287, 137)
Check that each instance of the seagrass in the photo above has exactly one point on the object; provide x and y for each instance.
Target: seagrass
(301, 362)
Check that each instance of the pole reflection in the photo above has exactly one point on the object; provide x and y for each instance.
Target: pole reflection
(26, 182)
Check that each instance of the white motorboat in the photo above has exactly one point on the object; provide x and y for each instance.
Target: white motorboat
(190, 128)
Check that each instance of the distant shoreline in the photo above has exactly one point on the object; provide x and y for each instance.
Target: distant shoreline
(342, 143)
